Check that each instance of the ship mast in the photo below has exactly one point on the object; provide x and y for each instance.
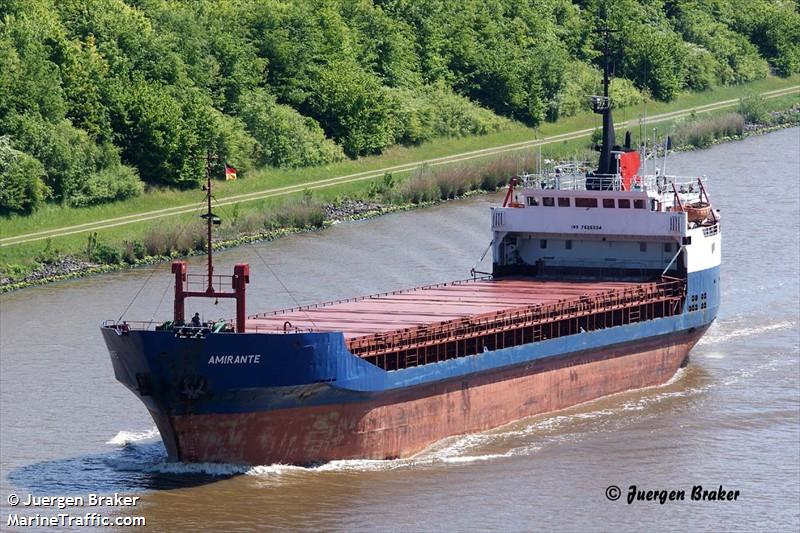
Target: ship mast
(209, 216)
(602, 106)
(183, 280)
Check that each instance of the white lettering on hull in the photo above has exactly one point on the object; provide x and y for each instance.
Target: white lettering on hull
(250, 359)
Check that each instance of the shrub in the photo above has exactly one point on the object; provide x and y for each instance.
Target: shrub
(428, 185)
(251, 222)
(14, 271)
(457, 116)
(165, 241)
(702, 133)
(754, 110)
(21, 186)
(497, 172)
(229, 140)
(105, 254)
(420, 188)
(155, 243)
(163, 129)
(132, 251)
(701, 67)
(789, 116)
(300, 214)
(456, 181)
(377, 188)
(653, 60)
(425, 113)
(285, 137)
(108, 185)
(70, 157)
(48, 255)
(582, 82)
(91, 244)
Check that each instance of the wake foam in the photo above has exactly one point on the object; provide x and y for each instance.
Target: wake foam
(124, 438)
(718, 336)
(477, 458)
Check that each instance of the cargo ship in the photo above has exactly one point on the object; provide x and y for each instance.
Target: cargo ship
(602, 281)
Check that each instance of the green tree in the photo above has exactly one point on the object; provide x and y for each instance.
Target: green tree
(29, 80)
(654, 61)
(103, 91)
(773, 27)
(158, 130)
(353, 108)
(383, 44)
(125, 37)
(84, 72)
(700, 66)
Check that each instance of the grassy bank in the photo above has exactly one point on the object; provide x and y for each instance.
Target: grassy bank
(54, 216)
(268, 218)
(753, 115)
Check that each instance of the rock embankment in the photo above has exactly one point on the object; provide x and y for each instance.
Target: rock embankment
(777, 120)
(58, 268)
(348, 209)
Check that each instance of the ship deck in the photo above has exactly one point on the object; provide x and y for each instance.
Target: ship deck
(429, 305)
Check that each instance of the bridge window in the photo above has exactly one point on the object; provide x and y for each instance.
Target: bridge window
(532, 201)
(624, 204)
(543, 243)
(608, 202)
(585, 202)
(638, 204)
(668, 247)
(563, 202)
(642, 246)
(548, 201)
(568, 244)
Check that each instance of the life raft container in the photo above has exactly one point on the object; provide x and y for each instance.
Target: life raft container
(698, 211)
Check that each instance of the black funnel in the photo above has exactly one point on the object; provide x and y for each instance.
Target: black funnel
(607, 163)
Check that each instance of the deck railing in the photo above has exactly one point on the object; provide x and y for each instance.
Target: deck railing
(199, 282)
(128, 325)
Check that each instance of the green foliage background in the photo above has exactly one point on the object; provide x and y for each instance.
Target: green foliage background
(100, 97)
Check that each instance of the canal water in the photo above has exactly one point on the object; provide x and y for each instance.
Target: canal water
(731, 418)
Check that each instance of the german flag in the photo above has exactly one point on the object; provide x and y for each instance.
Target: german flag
(230, 173)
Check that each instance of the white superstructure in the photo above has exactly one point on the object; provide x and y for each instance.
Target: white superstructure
(630, 227)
